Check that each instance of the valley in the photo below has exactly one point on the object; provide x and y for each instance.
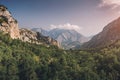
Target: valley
(37, 54)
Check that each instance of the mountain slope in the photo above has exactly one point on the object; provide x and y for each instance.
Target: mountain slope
(67, 38)
(109, 35)
(40, 30)
(25, 61)
(10, 26)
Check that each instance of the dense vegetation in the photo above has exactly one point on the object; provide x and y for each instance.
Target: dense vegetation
(25, 61)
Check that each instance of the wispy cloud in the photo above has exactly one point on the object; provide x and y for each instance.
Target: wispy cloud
(67, 26)
(112, 4)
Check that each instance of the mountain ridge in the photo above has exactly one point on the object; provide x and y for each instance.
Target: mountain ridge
(64, 36)
(9, 25)
(109, 34)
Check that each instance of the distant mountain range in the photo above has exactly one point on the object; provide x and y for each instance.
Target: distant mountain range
(72, 39)
(33, 55)
(109, 35)
(67, 38)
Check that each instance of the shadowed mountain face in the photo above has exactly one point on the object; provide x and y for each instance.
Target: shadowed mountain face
(67, 38)
(109, 35)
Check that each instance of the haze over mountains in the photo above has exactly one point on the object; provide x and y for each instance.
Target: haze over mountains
(35, 54)
(72, 39)
(68, 38)
(29, 55)
(109, 35)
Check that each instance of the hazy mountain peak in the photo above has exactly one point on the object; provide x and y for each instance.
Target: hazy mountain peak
(68, 38)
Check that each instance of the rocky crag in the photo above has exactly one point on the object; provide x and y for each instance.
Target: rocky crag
(10, 26)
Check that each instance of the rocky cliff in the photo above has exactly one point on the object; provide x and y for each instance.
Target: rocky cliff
(27, 35)
(10, 26)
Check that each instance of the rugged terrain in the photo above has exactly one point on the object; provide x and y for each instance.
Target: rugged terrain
(67, 38)
(109, 35)
(21, 60)
(10, 26)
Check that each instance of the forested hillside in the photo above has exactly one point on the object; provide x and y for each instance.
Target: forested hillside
(26, 61)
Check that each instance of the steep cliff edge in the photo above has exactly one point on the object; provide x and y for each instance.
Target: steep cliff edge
(10, 26)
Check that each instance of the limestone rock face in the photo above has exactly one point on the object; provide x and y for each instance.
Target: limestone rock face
(28, 36)
(10, 26)
(48, 40)
(36, 37)
(7, 23)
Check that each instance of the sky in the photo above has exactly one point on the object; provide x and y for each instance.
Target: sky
(88, 17)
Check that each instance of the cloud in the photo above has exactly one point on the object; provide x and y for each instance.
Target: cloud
(113, 4)
(67, 26)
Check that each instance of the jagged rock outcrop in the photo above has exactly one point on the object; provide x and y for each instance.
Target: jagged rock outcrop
(10, 26)
(29, 36)
(36, 37)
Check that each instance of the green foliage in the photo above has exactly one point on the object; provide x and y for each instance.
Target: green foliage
(25, 61)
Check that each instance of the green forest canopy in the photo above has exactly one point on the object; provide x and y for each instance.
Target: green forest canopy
(24, 61)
